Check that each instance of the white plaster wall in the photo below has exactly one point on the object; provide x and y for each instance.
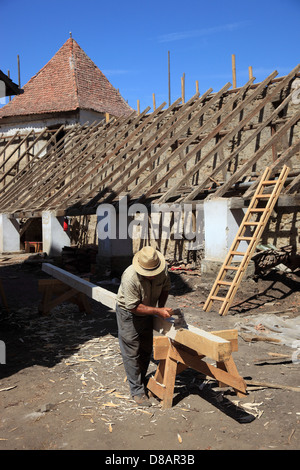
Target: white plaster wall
(54, 236)
(221, 227)
(9, 234)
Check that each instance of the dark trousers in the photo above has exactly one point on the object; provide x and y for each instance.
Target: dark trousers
(135, 335)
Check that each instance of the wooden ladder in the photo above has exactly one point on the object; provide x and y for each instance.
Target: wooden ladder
(250, 231)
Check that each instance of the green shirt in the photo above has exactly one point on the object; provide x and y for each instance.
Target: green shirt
(135, 289)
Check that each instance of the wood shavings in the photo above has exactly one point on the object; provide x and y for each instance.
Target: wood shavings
(112, 405)
(8, 388)
(144, 411)
(251, 408)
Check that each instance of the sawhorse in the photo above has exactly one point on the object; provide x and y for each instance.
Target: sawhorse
(55, 292)
(174, 358)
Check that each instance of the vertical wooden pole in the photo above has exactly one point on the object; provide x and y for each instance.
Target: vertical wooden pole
(19, 72)
(197, 86)
(233, 71)
(169, 78)
(106, 117)
(138, 106)
(154, 104)
(183, 88)
(8, 74)
(250, 72)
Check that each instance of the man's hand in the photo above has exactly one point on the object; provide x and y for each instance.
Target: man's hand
(165, 312)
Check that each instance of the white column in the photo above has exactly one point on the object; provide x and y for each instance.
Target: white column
(9, 234)
(216, 229)
(221, 227)
(54, 236)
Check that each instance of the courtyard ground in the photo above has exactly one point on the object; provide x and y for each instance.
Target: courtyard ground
(63, 386)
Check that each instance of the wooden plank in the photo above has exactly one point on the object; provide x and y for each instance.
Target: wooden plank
(169, 380)
(235, 381)
(229, 335)
(88, 288)
(156, 388)
(293, 186)
(204, 343)
(160, 347)
(201, 341)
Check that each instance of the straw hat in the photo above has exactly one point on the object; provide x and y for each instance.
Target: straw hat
(148, 262)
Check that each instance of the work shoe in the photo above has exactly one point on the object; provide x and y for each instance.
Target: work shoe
(142, 400)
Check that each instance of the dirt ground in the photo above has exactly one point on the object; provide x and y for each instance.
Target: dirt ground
(63, 386)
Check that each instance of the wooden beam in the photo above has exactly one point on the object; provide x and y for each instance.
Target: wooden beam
(283, 159)
(202, 342)
(97, 293)
(233, 71)
(150, 145)
(243, 145)
(154, 187)
(239, 173)
(102, 170)
(198, 364)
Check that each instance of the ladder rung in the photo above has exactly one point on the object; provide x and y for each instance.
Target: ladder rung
(269, 182)
(234, 268)
(244, 238)
(257, 209)
(251, 223)
(215, 297)
(225, 283)
(240, 253)
(263, 195)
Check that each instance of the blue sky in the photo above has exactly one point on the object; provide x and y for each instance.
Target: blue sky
(129, 41)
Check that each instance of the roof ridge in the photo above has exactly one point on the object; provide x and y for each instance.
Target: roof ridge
(72, 63)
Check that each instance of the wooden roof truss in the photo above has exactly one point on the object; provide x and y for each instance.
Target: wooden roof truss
(176, 153)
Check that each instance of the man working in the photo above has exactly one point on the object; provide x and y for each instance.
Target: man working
(143, 292)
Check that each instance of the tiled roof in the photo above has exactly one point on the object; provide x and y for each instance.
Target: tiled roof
(70, 80)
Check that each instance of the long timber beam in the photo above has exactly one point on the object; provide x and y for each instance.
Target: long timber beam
(204, 343)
